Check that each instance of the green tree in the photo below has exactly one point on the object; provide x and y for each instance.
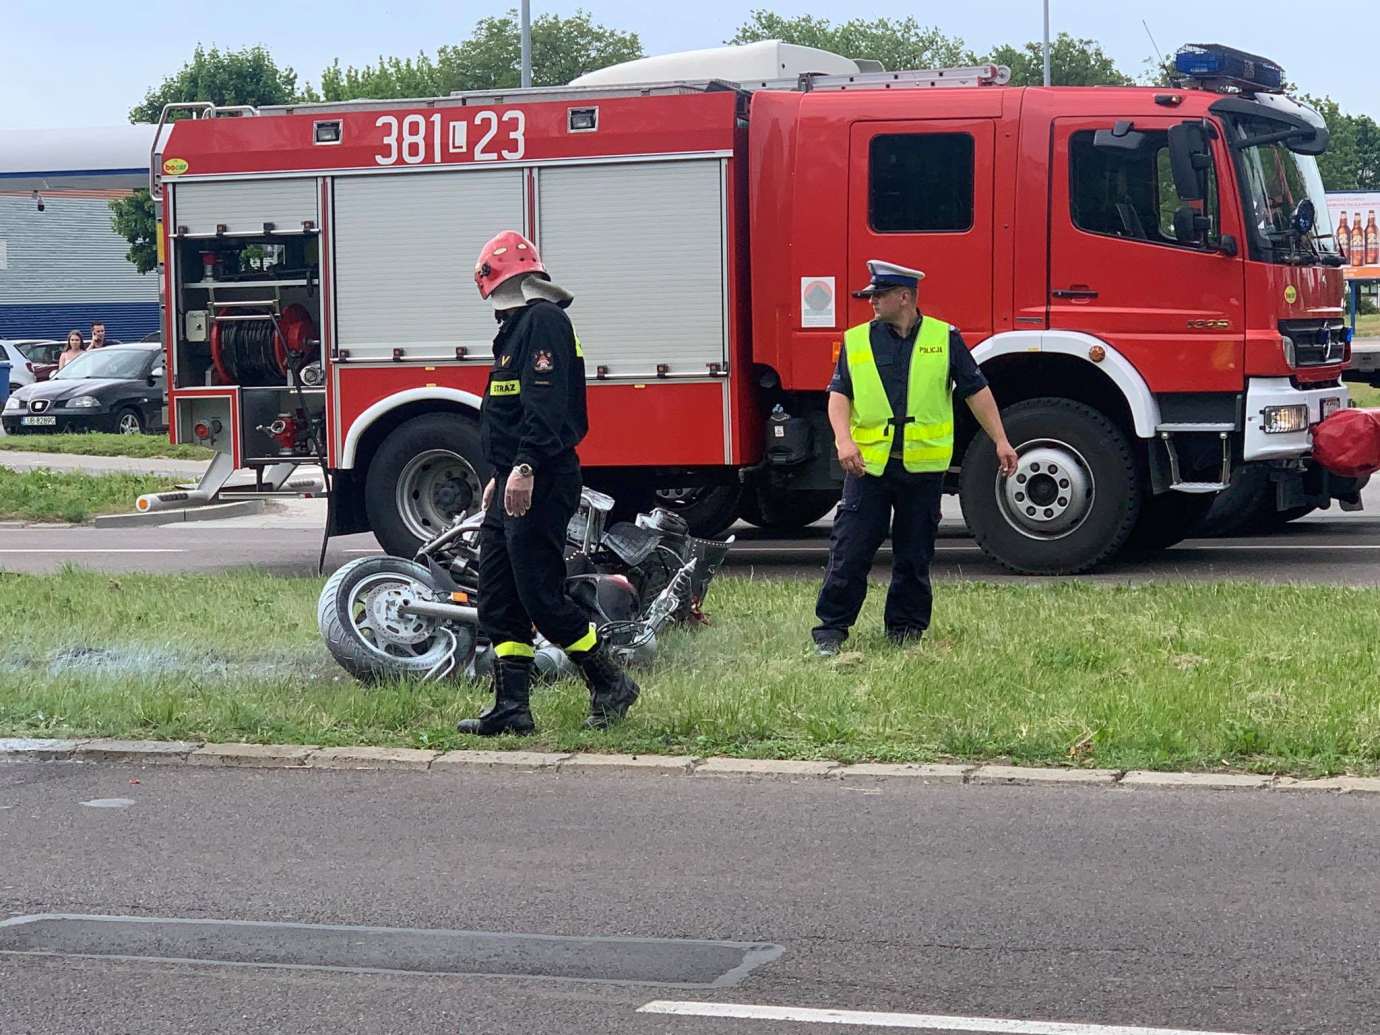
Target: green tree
(490, 59)
(133, 219)
(248, 76)
(898, 43)
(1072, 62)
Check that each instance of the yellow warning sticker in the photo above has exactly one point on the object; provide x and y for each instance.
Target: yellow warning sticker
(1291, 294)
(174, 166)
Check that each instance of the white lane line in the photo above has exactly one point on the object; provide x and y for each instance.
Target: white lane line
(973, 548)
(69, 549)
(932, 1022)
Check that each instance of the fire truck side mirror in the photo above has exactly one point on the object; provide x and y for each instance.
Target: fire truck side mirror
(1188, 158)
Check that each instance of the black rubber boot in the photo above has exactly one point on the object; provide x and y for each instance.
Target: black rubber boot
(511, 711)
(611, 690)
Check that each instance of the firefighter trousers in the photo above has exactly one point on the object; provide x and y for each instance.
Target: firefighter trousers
(522, 565)
(907, 504)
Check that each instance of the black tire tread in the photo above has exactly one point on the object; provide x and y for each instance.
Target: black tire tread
(1113, 436)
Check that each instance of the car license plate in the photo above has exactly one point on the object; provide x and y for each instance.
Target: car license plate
(1330, 406)
(38, 422)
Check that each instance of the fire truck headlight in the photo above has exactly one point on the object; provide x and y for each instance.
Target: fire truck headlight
(84, 402)
(1290, 357)
(1281, 420)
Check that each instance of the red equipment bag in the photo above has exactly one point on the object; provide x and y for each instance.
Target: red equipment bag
(1348, 443)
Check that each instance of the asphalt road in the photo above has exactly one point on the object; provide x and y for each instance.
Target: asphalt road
(1327, 547)
(1254, 913)
(1341, 551)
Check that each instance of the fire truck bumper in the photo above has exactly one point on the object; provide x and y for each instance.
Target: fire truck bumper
(1280, 417)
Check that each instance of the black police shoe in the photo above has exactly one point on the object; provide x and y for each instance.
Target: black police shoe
(903, 637)
(828, 647)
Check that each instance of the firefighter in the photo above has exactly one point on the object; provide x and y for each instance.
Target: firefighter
(898, 372)
(532, 418)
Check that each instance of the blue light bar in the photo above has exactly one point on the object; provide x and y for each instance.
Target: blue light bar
(1212, 61)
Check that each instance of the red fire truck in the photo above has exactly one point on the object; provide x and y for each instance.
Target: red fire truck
(1146, 276)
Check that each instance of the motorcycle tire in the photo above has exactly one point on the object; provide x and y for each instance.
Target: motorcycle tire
(406, 646)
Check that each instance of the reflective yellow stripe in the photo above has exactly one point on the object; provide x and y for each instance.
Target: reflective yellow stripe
(584, 643)
(513, 649)
(579, 349)
(510, 387)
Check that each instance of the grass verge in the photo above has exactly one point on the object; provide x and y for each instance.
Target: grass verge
(1165, 676)
(44, 495)
(1365, 396)
(1368, 326)
(101, 444)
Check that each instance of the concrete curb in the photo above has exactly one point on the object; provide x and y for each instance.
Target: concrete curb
(297, 756)
(209, 512)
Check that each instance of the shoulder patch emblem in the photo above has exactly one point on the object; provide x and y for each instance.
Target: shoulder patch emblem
(541, 362)
(505, 360)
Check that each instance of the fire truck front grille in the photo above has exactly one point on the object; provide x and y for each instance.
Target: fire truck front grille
(1317, 343)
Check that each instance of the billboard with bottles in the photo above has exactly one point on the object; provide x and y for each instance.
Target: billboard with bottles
(1358, 236)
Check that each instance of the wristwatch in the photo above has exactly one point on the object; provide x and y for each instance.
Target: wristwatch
(523, 470)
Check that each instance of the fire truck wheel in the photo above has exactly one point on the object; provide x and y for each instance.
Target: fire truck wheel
(707, 509)
(786, 511)
(1251, 492)
(365, 632)
(1073, 500)
(427, 472)
(1167, 519)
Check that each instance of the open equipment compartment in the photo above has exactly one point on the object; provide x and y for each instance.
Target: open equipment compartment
(247, 319)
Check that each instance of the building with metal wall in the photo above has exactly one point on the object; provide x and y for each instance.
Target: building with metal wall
(62, 265)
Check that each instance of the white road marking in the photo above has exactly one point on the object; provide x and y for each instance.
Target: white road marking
(109, 803)
(932, 1022)
(748, 547)
(71, 550)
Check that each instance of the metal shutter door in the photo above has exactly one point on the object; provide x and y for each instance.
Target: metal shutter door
(641, 246)
(404, 259)
(244, 206)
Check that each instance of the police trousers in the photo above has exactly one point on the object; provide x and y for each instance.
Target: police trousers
(522, 565)
(908, 506)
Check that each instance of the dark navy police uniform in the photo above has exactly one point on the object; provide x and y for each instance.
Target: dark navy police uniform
(534, 413)
(906, 504)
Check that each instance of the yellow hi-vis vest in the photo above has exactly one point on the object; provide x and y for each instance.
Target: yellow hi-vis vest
(928, 441)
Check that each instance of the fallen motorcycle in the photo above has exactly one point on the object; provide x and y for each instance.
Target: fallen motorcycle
(385, 618)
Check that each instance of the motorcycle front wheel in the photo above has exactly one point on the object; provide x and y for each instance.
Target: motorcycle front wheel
(359, 618)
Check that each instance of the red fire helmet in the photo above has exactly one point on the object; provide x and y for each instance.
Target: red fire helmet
(504, 257)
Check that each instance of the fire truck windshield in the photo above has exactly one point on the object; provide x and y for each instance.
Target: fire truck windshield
(1275, 180)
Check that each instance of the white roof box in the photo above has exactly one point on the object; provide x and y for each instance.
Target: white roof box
(754, 62)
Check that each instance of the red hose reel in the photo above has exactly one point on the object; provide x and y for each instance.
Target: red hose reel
(250, 352)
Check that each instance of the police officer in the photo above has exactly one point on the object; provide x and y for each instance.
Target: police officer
(532, 418)
(891, 410)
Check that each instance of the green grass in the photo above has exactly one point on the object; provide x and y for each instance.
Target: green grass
(1261, 678)
(102, 444)
(1368, 326)
(44, 495)
(1364, 395)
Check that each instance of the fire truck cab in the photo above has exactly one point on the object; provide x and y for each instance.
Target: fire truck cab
(1146, 276)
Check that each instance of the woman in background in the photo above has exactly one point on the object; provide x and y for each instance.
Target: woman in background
(75, 346)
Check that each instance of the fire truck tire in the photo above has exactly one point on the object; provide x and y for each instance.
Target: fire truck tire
(427, 471)
(1234, 509)
(707, 509)
(1167, 519)
(1074, 499)
(786, 511)
(356, 614)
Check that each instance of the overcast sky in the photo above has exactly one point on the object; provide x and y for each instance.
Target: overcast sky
(87, 62)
